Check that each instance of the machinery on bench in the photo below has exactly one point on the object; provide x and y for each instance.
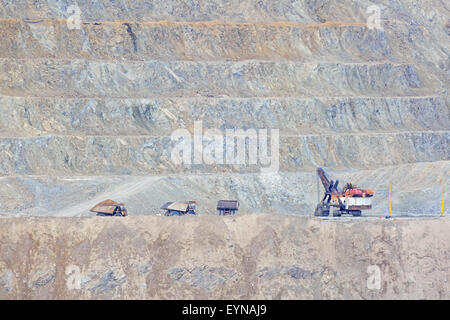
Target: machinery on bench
(350, 200)
(179, 208)
(110, 208)
(227, 207)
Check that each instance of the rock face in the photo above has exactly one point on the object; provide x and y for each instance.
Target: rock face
(255, 256)
(87, 113)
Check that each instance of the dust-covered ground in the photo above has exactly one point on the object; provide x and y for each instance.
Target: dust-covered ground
(253, 256)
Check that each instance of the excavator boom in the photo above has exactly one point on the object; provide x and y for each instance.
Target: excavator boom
(323, 177)
(328, 184)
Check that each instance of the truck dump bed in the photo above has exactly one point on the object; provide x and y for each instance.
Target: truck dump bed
(106, 206)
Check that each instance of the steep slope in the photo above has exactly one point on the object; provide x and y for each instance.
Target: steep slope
(87, 114)
(243, 257)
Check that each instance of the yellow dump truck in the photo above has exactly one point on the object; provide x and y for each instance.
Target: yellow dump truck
(110, 208)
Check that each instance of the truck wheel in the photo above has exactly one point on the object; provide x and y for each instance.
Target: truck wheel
(357, 213)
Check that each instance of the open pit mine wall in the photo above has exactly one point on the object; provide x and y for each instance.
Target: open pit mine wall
(257, 256)
(86, 114)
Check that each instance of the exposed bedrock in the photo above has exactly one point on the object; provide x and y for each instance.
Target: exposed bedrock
(88, 113)
(246, 257)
